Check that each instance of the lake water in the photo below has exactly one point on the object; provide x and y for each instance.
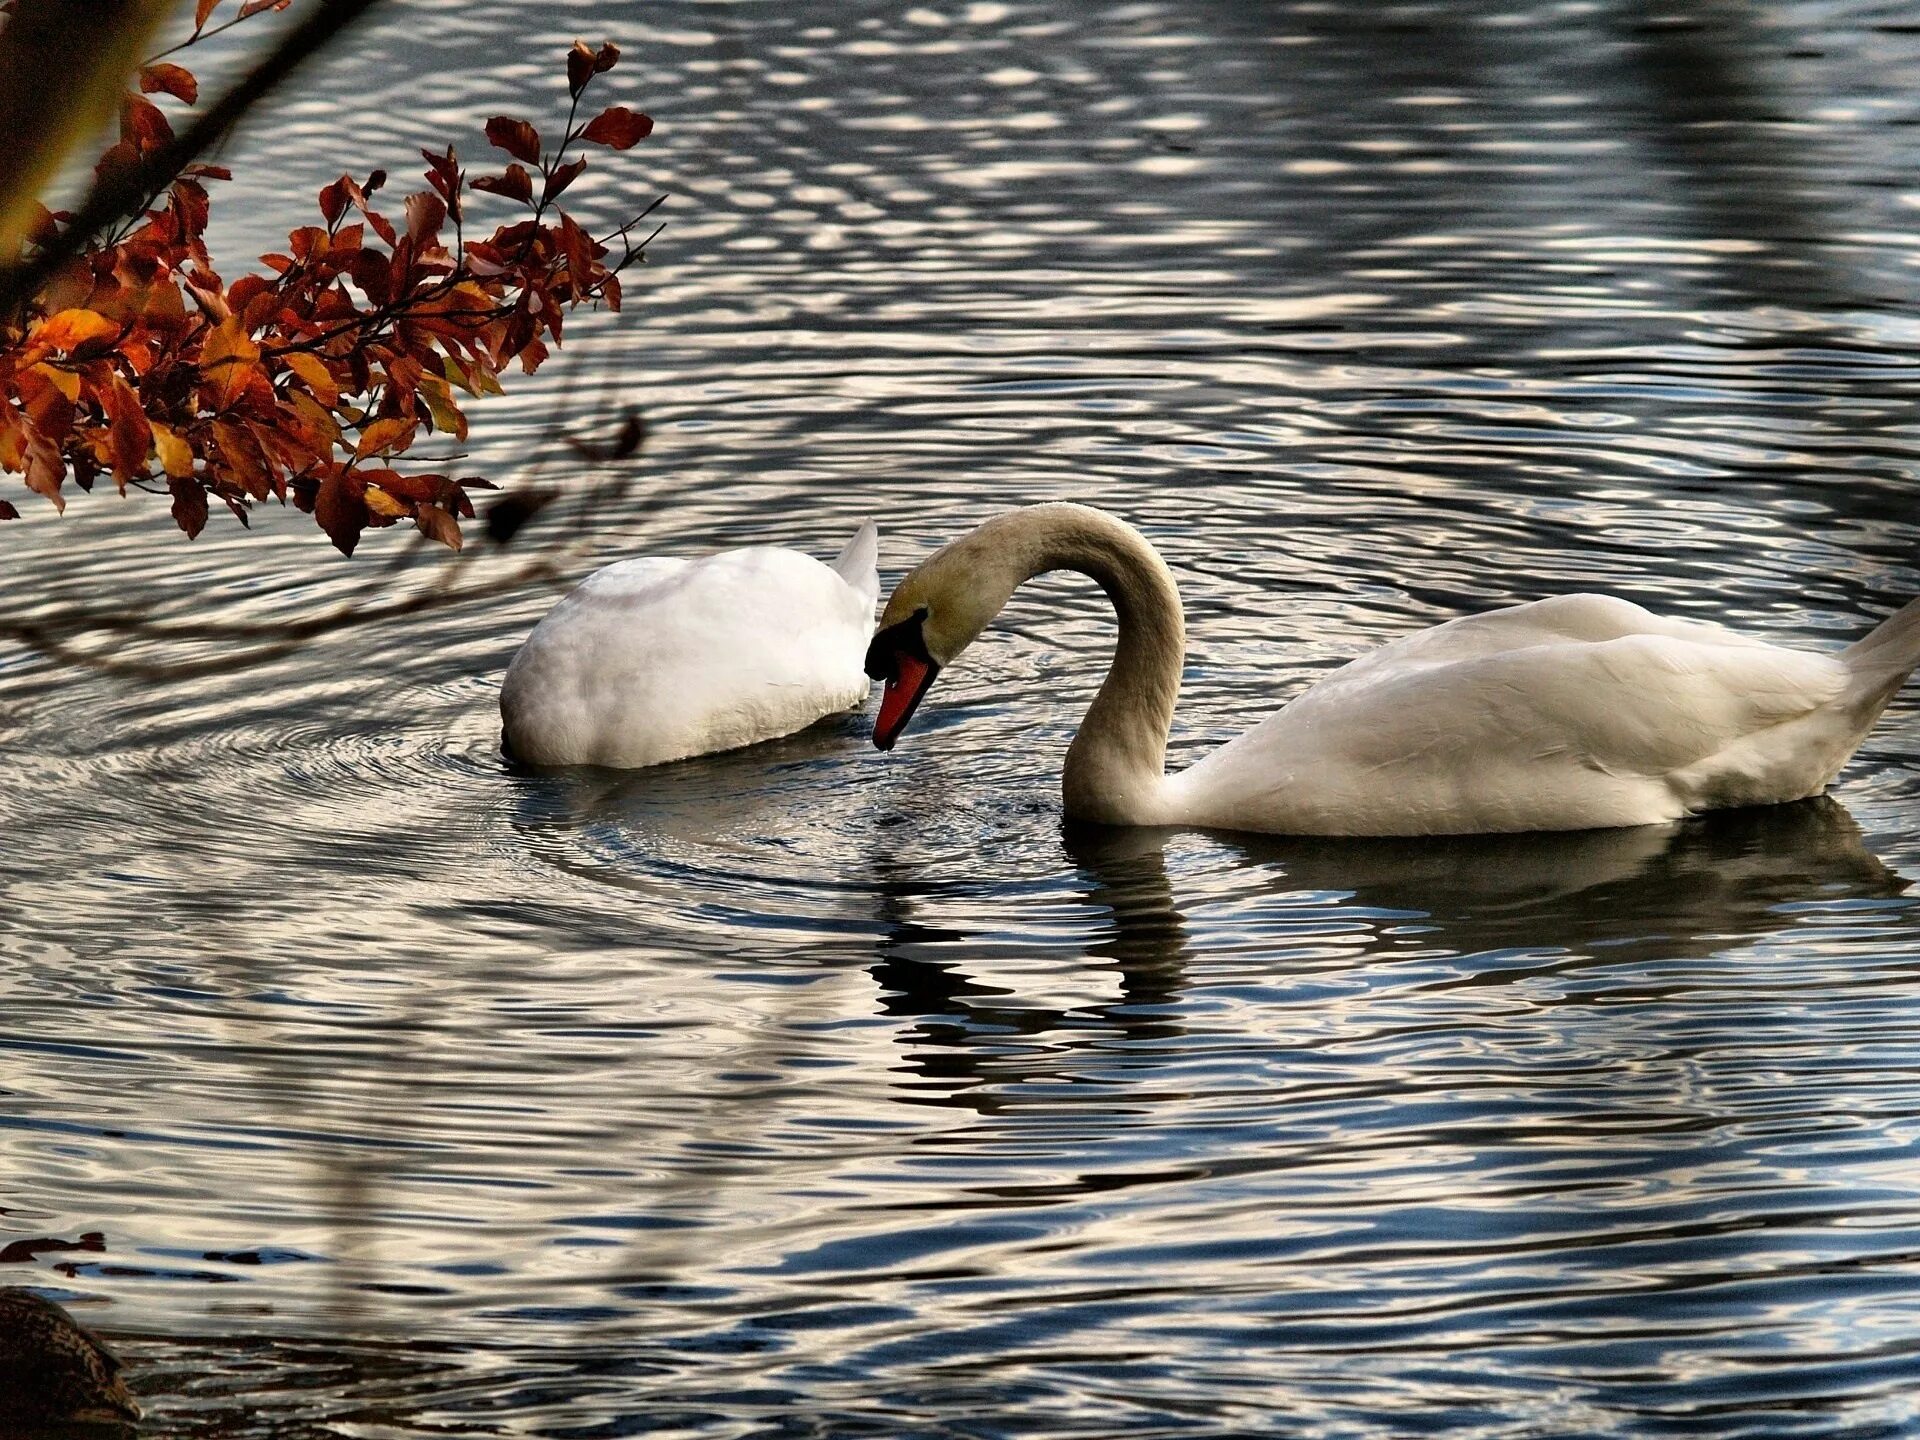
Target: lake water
(358, 1085)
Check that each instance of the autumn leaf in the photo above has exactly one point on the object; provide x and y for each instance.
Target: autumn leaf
(563, 176)
(334, 200)
(189, 504)
(7, 512)
(229, 359)
(383, 435)
(176, 456)
(67, 331)
(174, 80)
(516, 137)
(341, 510)
(514, 183)
(437, 524)
(391, 507)
(606, 58)
(201, 10)
(618, 128)
(254, 7)
(45, 470)
(313, 372)
(129, 432)
(579, 68)
(425, 213)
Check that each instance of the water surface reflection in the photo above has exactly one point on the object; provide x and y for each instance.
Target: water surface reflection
(359, 1083)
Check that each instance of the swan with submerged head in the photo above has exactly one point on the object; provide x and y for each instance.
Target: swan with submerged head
(658, 658)
(1574, 713)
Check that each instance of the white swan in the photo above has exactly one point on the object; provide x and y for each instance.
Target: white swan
(1574, 713)
(657, 659)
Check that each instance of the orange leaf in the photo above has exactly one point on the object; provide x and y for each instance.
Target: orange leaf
(45, 470)
(189, 505)
(68, 330)
(381, 435)
(201, 10)
(65, 381)
(579, 67)
(229, 359)
(314, 373)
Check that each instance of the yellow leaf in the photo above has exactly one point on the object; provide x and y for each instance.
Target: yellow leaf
(317, 415)
(313, 371)
(381, 503)
(447, 418)
(65, 381)
(176, 456)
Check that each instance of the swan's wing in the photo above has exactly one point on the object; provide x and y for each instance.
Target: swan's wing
(1580, 618)
(858, 563)
(1645, 704)
(1560, 735)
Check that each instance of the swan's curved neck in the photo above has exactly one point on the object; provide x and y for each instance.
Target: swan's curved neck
(1115, 770)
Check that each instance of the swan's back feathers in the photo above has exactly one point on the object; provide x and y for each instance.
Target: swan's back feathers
(1564, 714)
(654, 659)
(858, 563)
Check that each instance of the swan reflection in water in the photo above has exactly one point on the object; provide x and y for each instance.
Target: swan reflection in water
(1682, 890)
(744, 830)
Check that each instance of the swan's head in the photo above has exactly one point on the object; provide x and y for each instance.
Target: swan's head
(932, 615)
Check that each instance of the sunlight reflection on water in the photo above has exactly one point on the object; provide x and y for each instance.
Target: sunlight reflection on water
(807, 1091)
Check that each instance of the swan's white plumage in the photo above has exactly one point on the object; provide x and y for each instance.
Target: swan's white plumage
(1575, 712)
(657, 659)
(1578, 712)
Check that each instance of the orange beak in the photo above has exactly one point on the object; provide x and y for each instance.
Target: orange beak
(912, 677)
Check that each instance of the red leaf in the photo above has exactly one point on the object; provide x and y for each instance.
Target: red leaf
(425, 212)
(45, 470)
(607, 58)
(208, 172)
(129, 432)
(618, 127)
(7, 512)
(201, 11)
(142, 125)
(514, 183)
(516, 137)
(254, 7)
(340, 508)
(579, 67)
(334, 200)
(383, 227)
(189, 505)
(174, 80)
(563, 176)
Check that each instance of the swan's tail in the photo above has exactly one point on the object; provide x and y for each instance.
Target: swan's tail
(859, 563)
(1882, 659)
